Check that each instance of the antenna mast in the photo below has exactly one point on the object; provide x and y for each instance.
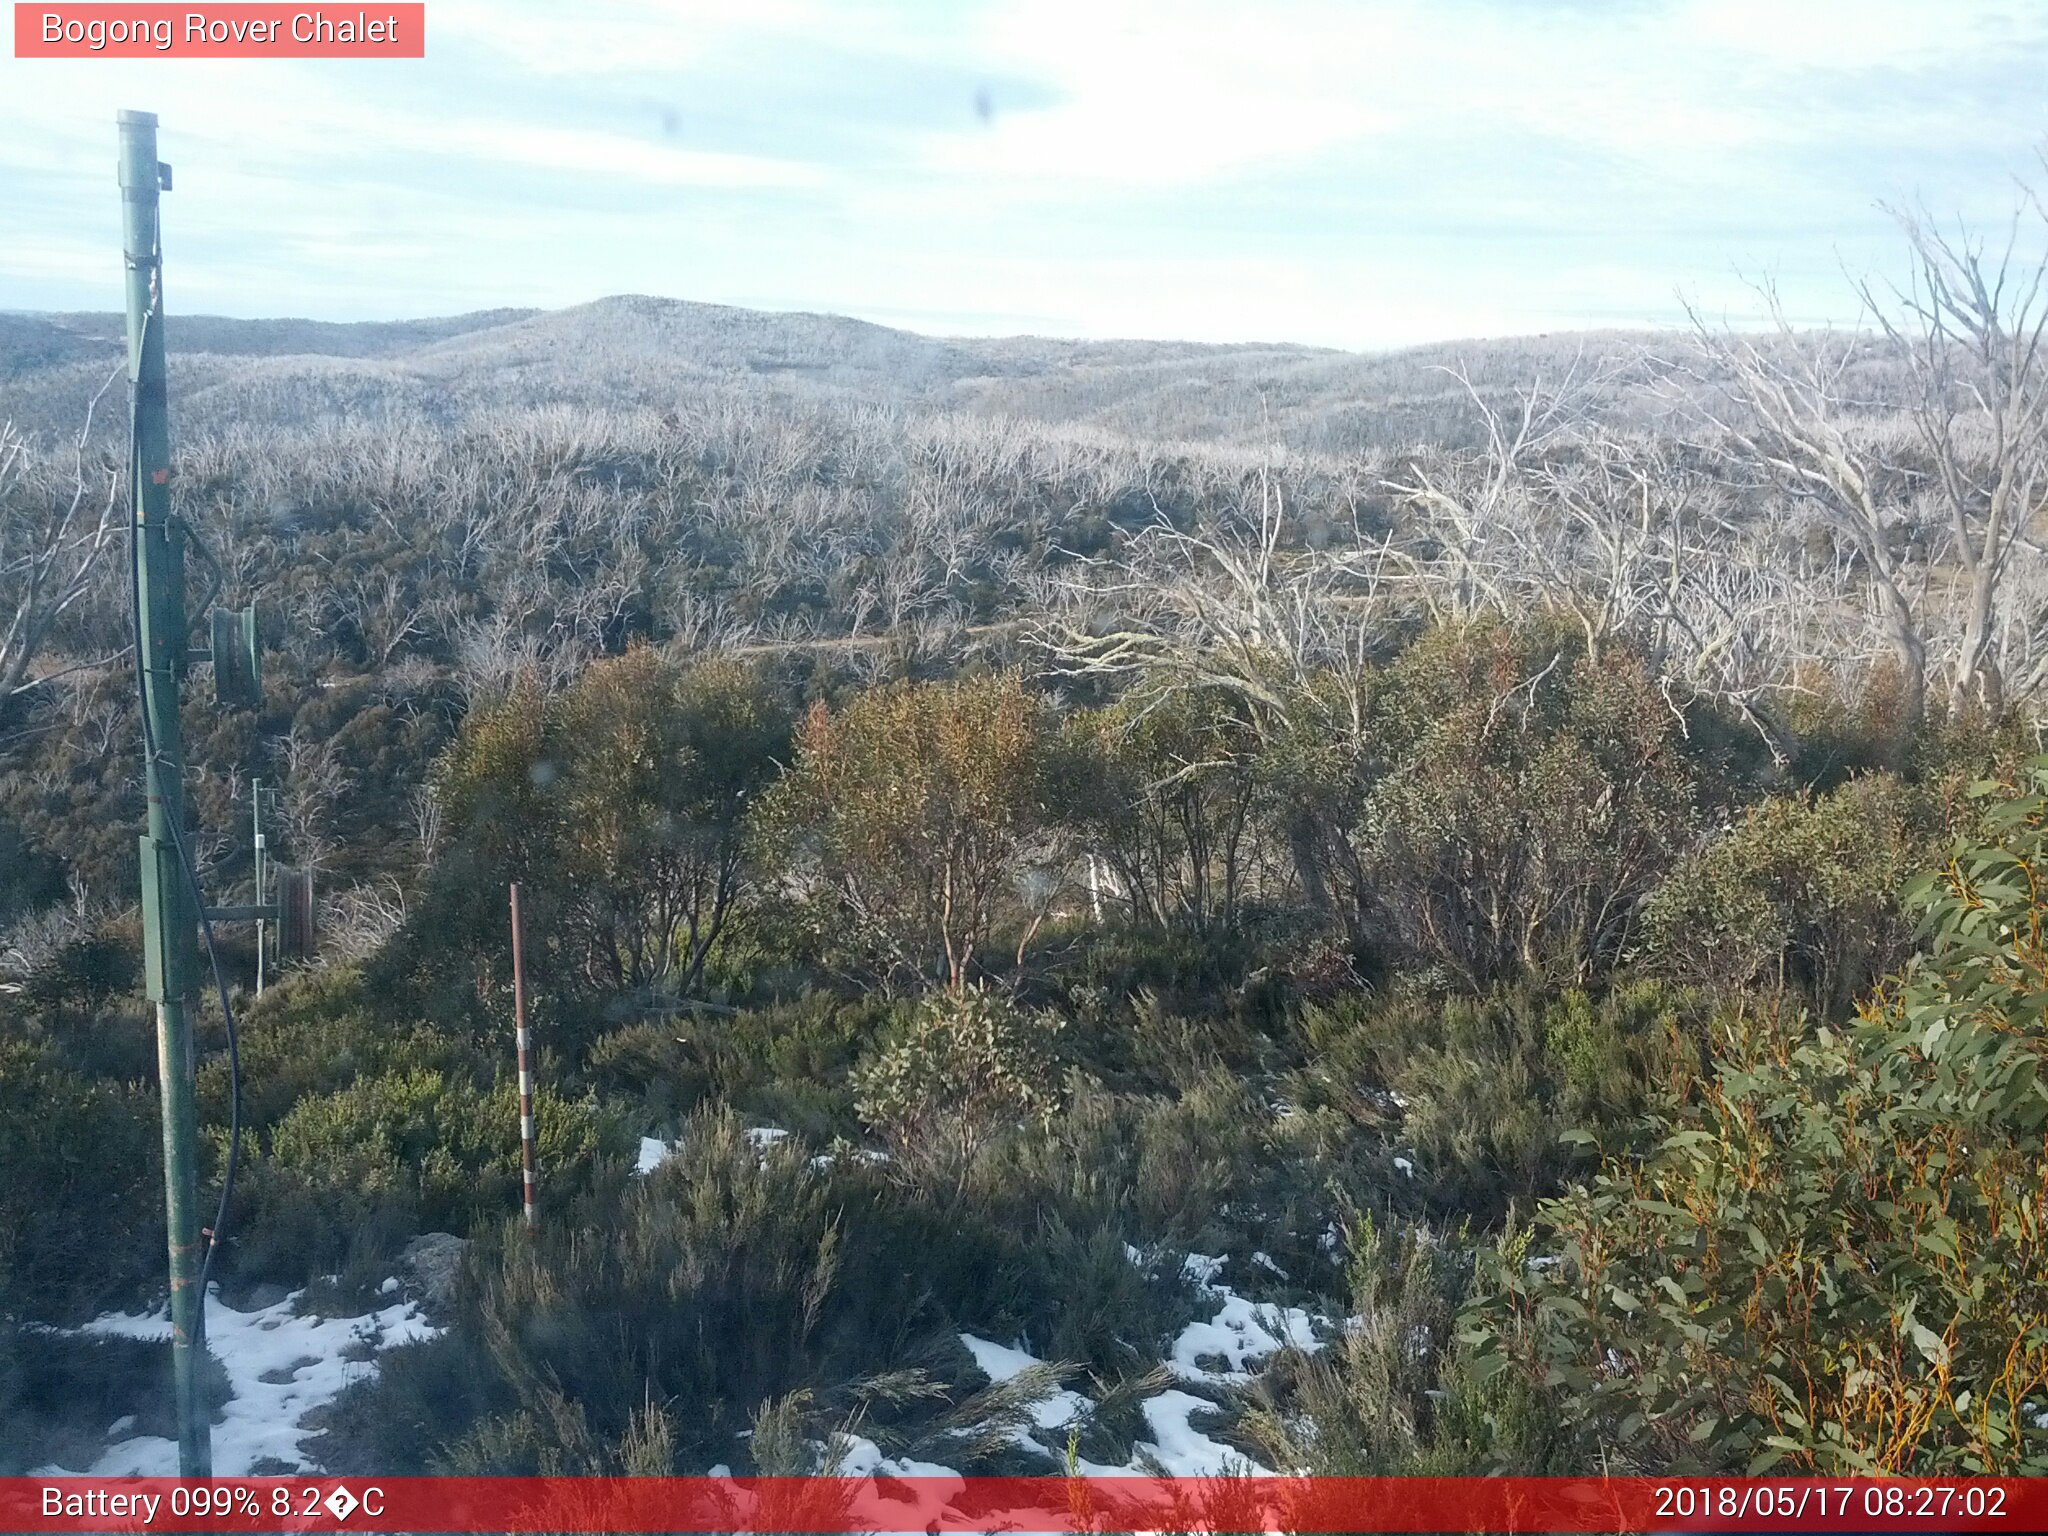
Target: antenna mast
(170, 954)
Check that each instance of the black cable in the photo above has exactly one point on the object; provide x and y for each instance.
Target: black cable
(149, 747)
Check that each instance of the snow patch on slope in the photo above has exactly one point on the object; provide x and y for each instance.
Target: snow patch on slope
(280, 1367)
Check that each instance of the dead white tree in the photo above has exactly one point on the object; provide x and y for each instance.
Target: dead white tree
(1781, 406)
(1970, 323)
(1239, 608)
(53, 530)
(1472, 532)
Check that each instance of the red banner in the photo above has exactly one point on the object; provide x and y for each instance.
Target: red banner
(1053, 1504)
(382, 31)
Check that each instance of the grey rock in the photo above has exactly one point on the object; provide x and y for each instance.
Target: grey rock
(257, 1298)
(431, 1265)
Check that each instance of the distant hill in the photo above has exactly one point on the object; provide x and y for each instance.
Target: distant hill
(639, 351)
(262, 338)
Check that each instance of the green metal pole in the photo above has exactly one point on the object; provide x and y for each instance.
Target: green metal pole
(256, 826)
(170, 953)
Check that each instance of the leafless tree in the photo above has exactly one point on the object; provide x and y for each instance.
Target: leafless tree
(383, 613)
(1782, 406)
(314, 781)
(53, 530)
(1970, 323)
(357, 922)
(1237, 608)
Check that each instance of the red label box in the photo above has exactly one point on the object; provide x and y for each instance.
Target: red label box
(241, 31)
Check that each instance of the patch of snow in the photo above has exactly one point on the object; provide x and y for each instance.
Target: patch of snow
(765, 1135)
(1405, 1166)
(389, 1287)
(1000, 1362)
(1202, 1269)
(1184, 1450)
(653, 1153)
(864, 1458)
(1265, 1261)
(306, 1357)
(1241, 1333)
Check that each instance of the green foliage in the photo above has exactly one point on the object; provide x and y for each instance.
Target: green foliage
(917, 813)
(1833, 1258)
(1531, 796)
(619, 805)
(408, 1151)
(786, 1064)
(59, 1391)
(320, 1032)
(81, 1187)
(1800, 896)
(727, 1280)
(1131, 987)
(82, 978)
(30, 877)
(1395, 1393)
(966, 1068)
(1474, 1094)
(1165, 796)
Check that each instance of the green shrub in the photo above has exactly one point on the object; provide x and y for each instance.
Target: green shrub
(1531, 797)
(59, 1392)
(727, 1280)
(966, 1068)
(1802, 895)
(619, 805)
(1166, 797)
(81, 1188)
(915, 817)
(318, 1033)
(82, 977)
(1474, 1094)
(786, 1064)
(1395, 1393)
(408, 1151)
(1832, 1258)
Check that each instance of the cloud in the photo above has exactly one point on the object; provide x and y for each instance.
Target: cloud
(590, 153)
(1340, 170)
(623, 37)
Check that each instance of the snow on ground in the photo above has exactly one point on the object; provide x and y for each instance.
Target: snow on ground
(654, 1151)
(1175, 1444)
(1184, 1450)
(1242, 1333)
(280, 1367)
(999, 1362)
(863, 1458)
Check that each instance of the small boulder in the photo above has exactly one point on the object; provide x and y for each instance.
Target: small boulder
(431, 1265)
(257, 1298)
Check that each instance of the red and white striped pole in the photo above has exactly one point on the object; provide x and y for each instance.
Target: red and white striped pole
(527, 1175)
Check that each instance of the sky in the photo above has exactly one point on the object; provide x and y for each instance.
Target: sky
(1351, 173)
